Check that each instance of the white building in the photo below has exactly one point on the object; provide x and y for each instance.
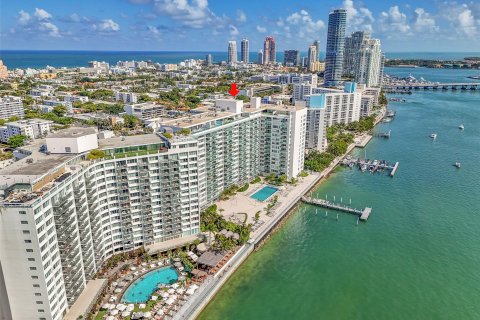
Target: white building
(329, 108)
(74, 140)
(31, 128)
(11, 107)
(74, 98)
(232, 52)
(63, 216)
(126, 97)
(144, 111)
(369, 64)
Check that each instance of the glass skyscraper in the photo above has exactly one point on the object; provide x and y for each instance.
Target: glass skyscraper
(337, 21)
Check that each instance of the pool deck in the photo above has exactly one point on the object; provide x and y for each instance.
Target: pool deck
(85, 301)
(243, 203)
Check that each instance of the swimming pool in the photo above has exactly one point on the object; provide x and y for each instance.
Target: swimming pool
(142, 288)
(264, 193)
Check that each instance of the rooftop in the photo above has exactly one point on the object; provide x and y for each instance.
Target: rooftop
(128, 141)
(73, 132)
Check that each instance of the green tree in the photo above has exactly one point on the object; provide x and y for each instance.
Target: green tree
(17, 140)
(13, 118)
(130, 121)
(59, 110)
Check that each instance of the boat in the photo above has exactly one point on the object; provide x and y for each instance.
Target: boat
(457, 164)
(433, 136)
(461, 127)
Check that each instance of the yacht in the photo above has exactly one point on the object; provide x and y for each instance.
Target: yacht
(433, 136)
(458, 165)
(461, 127)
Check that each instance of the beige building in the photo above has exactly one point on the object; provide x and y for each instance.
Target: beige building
(3, 70)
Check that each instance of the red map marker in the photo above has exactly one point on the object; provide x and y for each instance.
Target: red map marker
(233, 89)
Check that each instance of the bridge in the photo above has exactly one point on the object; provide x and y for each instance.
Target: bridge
(464, 86)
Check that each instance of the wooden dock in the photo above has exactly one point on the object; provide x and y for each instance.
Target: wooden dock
(362, 214)
(394, 169)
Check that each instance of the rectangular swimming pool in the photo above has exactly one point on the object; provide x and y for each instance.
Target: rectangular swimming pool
(264, 193)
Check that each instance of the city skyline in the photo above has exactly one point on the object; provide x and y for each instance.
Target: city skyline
(202, 25)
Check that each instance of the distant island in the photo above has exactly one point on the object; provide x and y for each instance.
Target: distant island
(466, 63)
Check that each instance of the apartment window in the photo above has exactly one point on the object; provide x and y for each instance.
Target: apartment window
(22, 212)
(31, 259)
(68, 149)
(33, 268)
(26, 232)
(37, 294)
(39, 302)
(34, 277)
(29, 250)
(28, 241)
(41, 310)
(24, 222)
(36, 286)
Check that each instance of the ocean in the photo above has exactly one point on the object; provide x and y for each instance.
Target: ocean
(40, 59)
(417, 257)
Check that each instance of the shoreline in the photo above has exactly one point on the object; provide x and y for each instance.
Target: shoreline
(213, 286)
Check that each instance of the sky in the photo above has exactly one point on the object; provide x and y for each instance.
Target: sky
(202, 25)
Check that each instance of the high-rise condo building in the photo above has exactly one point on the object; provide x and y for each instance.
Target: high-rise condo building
(269, 51)
(260, 57)
(350, 55)
(369, 70)
(316, 43)
(63, 215)
(3, 70)
(232, 52)
(312, 56)
(327, 107)
(208, 59)
(337, 21)
(244, 51)
(291, 58)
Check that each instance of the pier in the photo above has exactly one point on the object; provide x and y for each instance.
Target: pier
(372, 166)
(362, 214)
(385, 135)
(407, 88)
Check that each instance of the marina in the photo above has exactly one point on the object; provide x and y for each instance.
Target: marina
(363, 214)
(372, 166)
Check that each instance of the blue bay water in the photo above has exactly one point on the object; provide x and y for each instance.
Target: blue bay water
(418, 255)
(40, 59)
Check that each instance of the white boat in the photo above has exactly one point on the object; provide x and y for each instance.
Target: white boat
(458, 165)
(461, 127)
(433, 136)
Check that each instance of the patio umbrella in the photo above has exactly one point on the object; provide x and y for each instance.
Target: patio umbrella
(147, 314)
(111, 307)
(117, 290)
(181, 278)
(125, 314)
(130, 307)
(114, 312)
(160, 312)
(106, 306)
(190, 291)
(175, 285)
(170, 301)
(110, 318)
(142, 306)
(121, 307)
(164, 294)
(154, 298)
(171, 291)
(194, 286)
(180, 291)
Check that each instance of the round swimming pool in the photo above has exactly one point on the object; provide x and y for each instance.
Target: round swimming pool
(142, 288)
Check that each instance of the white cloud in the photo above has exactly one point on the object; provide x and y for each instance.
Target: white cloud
(49, 27)
(241, 16)
(23, 17)
(462, 18)
(358, 17)
(233, 30)
(194, 13)
(154, 31)
(304, 21)
(107, 25)
(41, 14)
(394, 20)
(261, 29)
(424, 22)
